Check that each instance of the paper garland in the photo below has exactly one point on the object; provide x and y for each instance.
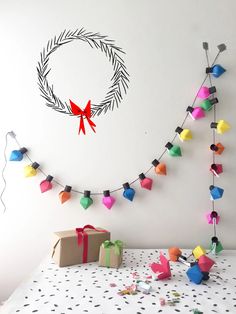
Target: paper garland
(160, 168)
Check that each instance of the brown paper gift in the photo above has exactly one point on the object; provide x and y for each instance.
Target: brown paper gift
(111, 254)
(70, 248)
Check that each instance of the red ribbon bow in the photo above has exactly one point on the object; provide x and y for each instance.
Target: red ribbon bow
(82, 238)
(86, 113)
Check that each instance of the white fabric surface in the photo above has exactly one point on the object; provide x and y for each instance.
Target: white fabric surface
(86, 288)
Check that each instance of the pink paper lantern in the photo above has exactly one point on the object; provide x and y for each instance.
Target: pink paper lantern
(46, 184)
(146, 183)
(196, 113)
(204, 92)
(108, 200)
(205, 263)
(211, 216)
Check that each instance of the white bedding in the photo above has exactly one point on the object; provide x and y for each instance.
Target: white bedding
(86, 288)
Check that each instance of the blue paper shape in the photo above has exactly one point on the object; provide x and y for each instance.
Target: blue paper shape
(216, 192)
(217, 70)
(194, 274)
(129, 194)
(16, 155)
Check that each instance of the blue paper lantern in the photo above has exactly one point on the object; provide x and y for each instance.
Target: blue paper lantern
(194, 274)
(128, 192)
(217, 70)
(17, 155)
(216, 192)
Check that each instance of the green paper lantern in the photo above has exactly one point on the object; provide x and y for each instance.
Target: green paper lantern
(216, 246)
(206, 105)
(173, 150)
(86, 200)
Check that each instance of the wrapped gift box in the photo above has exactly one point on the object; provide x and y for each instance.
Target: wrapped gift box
(111, 254)
(77, 246)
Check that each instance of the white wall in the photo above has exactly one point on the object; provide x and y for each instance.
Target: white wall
(164, 56)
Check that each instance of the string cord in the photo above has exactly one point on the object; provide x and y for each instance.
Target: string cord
(113, 190)
(3, 172)
(214, 142)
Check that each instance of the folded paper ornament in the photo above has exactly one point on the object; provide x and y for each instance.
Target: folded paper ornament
(128, 192)
(194, 274)
(46, 184)
(216, 169)
(65, 195)
(196, 113)
(175, 255)
(213, 216)
(86, 200)
(108, 200)
(217, 70)
(217, 148)
(198, 251)
(146, 183)
(207, 104)
(162, 268)
(216, 246)
(184, 134)
(17, 155)
(31, 170)
(173, 150)
(160, 168)
(204, 92)
(205, 263)
(221, 126)
(216, 192)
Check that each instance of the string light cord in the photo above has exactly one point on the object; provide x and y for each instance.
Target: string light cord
(136, 179)
(214, 142)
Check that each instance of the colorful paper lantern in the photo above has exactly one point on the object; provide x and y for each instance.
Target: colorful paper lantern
(184, 134)
(216, 192)
(213, 216)
(65, 195)
(217, 70)
(198, 251)
(216, 246)
(162, 268)
(146, 183)
(207, 104)
(17, 155)
(107, 199)
(173, 150)
(217, 148)
(204, 92)
(196, 113)
(46, 184)
(86, 200)
(205, 263)
(31, 170)
(216, 169)
(175, 255)
(128, 192)
(194, 274)
(160, 168)
(221, 126)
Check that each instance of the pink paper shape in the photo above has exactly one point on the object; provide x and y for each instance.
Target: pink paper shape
(163, 268)
(210, 220)
(205, 263)
(203, 92)
(198, 113)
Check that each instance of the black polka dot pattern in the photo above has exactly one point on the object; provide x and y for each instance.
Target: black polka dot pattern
(88, 288)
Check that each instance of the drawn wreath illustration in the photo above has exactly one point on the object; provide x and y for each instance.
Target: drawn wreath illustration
(119, 80)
